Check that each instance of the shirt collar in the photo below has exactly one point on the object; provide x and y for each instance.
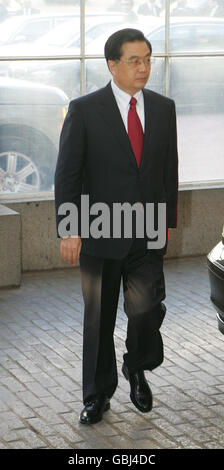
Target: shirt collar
(123, 96)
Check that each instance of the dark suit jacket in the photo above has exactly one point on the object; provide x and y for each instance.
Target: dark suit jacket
(96, 158)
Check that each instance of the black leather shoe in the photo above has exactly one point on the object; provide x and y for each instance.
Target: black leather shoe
(141, 395)
(94, 409)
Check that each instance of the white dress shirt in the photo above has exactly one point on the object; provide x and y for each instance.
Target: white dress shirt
(123, 102)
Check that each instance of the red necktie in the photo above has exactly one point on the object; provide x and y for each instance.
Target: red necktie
(135, 132)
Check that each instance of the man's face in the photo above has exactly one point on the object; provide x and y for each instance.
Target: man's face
(131, 73)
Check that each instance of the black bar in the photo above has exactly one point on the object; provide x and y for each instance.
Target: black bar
(103, 459)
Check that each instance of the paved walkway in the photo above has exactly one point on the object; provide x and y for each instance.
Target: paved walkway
(40, 368)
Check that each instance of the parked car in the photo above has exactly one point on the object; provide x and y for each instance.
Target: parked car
(65, 38)
(196, 83)
(215, 260)
(28, 28)
(97, 29)
(190, 35)
(31, 118)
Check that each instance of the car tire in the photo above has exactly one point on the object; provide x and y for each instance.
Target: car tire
(20, 169)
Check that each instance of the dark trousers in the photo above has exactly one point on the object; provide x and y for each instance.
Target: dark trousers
(144, 289)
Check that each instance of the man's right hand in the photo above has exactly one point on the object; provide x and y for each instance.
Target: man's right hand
(70, 249)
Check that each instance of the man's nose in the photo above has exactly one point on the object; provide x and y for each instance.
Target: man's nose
(142, 66)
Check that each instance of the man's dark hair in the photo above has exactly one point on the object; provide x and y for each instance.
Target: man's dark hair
(113, 46)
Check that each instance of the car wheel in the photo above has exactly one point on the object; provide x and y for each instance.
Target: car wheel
(18, 172)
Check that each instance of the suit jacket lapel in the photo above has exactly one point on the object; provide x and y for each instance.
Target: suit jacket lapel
(112, 116)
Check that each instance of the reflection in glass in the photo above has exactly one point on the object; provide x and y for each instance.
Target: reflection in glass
(206, 8)
(131, 9)
(152, 8)
(63, 38)
(157, 39)
(101, 22)
(50, 33)
(97, 74)
(196, 85)
(63, 74)
(156, 80)
(196, 35)
(22, 29)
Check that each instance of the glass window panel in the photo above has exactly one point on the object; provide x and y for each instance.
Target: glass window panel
(203, 8)
(97, 74)
(15, 30)
(101, 22)
(156, 80)
(151, 8)
(97, 35)
(196, 35)
(196, 85)
(188, 7)
(154, 25)
(210, 36)
(53, 30)
(63, 74)
(31, 117)
(157, 39)
(63, 39)
(206, 8)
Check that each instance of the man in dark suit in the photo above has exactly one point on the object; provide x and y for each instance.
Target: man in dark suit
(118, 145)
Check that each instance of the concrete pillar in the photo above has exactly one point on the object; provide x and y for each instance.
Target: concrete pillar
(10, 247)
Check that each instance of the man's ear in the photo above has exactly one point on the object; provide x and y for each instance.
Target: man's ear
(111, 66)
